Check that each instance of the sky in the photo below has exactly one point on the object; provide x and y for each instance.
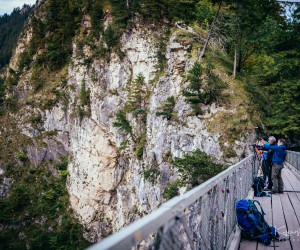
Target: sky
(7, 6)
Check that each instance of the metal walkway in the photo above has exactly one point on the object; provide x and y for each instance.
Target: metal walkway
(283, 212)
(204, 217)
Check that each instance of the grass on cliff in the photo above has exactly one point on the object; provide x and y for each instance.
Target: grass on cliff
(239, 114)
(236, 113)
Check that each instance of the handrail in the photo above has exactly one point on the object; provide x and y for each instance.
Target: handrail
(289, 1)
(293, 158)
(139, 230)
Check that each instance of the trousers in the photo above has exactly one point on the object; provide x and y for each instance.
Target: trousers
(276, 178)
(265, 169)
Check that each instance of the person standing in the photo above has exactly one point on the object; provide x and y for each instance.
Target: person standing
(265, 165)
(277, 165)
(272, 142)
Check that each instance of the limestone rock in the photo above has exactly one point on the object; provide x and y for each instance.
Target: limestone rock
(55, 119)
(4, 187)
(36, 154)
(55, 150)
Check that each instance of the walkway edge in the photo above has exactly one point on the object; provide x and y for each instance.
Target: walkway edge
(294, 170)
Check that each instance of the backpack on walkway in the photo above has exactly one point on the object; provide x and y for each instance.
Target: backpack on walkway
(258, 186)
(252, 223)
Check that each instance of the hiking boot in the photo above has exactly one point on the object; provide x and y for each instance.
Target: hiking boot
(280, 192)
(273, 192)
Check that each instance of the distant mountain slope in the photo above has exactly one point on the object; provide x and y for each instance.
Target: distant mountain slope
(10, 28)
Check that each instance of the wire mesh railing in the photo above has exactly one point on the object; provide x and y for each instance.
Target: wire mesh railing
(293, 158)
(202, 218)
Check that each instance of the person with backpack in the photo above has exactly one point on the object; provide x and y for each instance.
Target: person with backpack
(277, 165)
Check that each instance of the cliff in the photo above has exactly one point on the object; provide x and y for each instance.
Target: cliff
(75, 112)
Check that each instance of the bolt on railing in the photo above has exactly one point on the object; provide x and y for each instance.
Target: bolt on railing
(202, 218)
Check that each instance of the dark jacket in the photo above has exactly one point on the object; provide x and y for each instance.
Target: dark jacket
(279, 153)
(270, 155)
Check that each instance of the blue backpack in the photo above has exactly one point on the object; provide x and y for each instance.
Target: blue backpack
(252, 222)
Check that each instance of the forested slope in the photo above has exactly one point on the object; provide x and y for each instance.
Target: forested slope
(11, 26)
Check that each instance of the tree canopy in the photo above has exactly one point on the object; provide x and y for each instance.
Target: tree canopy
(10, 28)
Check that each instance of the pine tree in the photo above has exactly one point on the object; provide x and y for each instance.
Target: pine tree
(193, 92)
(212, 90)
(167, 107)
(137, 92)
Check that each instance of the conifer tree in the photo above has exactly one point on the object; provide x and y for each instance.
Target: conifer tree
(137, 92)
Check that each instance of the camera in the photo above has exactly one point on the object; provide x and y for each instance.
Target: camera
(255, 146)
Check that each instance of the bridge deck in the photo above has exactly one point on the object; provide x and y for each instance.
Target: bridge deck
(283, 212)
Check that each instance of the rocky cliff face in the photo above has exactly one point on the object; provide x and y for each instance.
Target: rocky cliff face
(106, 183)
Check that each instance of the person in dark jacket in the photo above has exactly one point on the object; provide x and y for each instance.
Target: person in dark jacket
(272, 142)
(277, 165)
(264, 165)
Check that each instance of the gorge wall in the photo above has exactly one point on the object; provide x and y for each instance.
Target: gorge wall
(106, 165)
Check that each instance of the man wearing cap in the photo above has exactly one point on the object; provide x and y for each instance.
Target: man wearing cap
(265, 166)
(277, 165)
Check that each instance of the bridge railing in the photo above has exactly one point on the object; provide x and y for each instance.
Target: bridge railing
(202, 218)
(293, 158)
(289, 1)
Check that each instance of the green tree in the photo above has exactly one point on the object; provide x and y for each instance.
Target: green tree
(205, 87)
(111, 37)
(167, 107)
(137, 105)
(278, 73)
(137, 93)
(62, 20)
(172, 189)
(193, 92)
(196, 167)
(84, 94)
(205, 13)
(122, 122)
(151, 175)
(249, 27)
(97, 16)
(2, 96)
(212, 91)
